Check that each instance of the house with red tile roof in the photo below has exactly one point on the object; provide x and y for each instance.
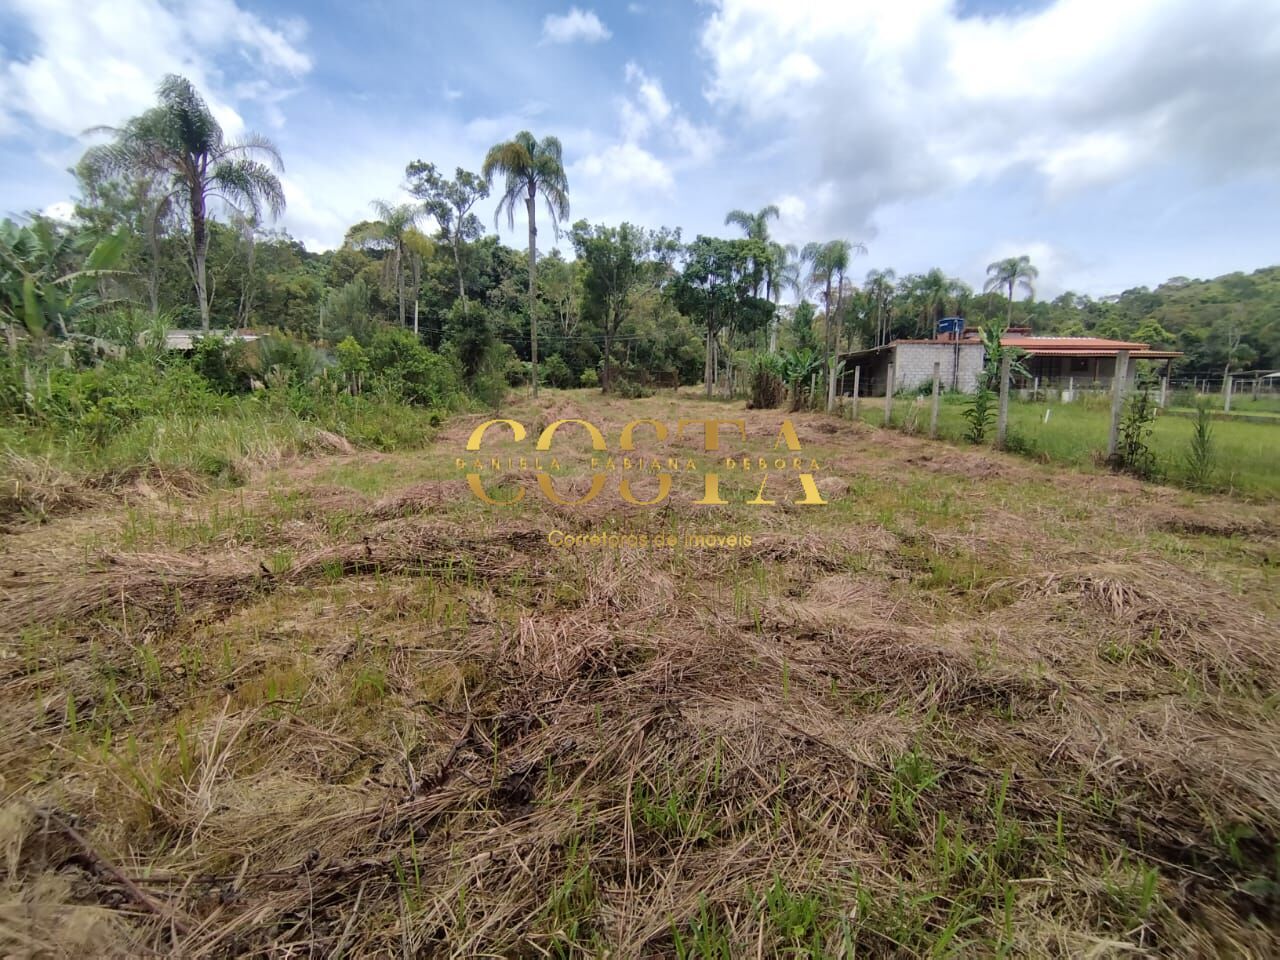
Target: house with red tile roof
(1055, 363)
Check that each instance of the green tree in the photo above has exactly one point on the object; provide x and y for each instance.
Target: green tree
(390, 232)
(1010, 274)
(756, 227)
(531, 168)
(450, 203)
(618, 263)
(716, 285)
(181, 144)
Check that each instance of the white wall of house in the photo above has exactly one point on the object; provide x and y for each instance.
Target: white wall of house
(913, 365)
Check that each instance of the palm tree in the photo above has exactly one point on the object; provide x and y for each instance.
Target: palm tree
(756, 227)
(180, 144)
(781, 271)
(879, 285)
(392, 229)
(532, 167)
(828, 263)
(932, 289)
(1009, 273)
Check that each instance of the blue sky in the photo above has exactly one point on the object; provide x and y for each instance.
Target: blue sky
(1117, 144)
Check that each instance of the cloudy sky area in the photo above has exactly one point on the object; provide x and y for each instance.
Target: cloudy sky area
(1118, 142)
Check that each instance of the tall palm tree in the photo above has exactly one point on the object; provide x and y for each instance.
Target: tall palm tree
(531, 167)
(180, 143)
(756, 227)
(932, 290)
(828, 264)
(781, 272)
(1011, 273)
(879, 285)
(391, 229)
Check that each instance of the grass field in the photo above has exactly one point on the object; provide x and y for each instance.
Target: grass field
(1248, 453)
(975, 705)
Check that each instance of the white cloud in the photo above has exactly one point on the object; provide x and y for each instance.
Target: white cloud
(903, 98)
(575, 25)
(100, 61)
(657, 139)
(60, 210)
(627, 165)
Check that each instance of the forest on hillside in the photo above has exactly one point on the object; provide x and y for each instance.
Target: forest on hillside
(173, 227)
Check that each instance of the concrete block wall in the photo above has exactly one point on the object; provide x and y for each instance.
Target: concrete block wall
(913, 364)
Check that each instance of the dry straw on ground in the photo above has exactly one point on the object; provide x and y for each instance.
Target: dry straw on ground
(887, 729)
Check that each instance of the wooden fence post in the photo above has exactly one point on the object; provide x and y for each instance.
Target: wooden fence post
(933, 416)
(1002, 418)
(857, 377)
(1117, 401)
(888, 397)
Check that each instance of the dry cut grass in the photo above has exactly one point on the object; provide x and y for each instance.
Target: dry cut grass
(946, 714)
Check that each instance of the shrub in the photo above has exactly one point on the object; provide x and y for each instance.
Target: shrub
(516, 370)
(589, 378)
(1134, 455)
(404, 369)
(556, 373)
(630, 389)
(353, 363)
(223, 362)
(1201, 455)
(767, 386)
(287, 358)
(979, 412)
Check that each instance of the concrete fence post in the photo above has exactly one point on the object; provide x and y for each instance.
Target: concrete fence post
(857, 378)
(1164, 392)
(1002, 418)
(933, 415)
(888, 397)
(1117, 401)
(1227, 388)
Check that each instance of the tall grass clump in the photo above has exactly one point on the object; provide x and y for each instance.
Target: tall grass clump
(768, 387)
(1201, 457)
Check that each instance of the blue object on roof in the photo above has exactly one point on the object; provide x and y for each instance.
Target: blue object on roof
(951, 325)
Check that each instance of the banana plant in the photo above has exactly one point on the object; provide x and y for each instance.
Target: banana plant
(799, 366)
(37, 291)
